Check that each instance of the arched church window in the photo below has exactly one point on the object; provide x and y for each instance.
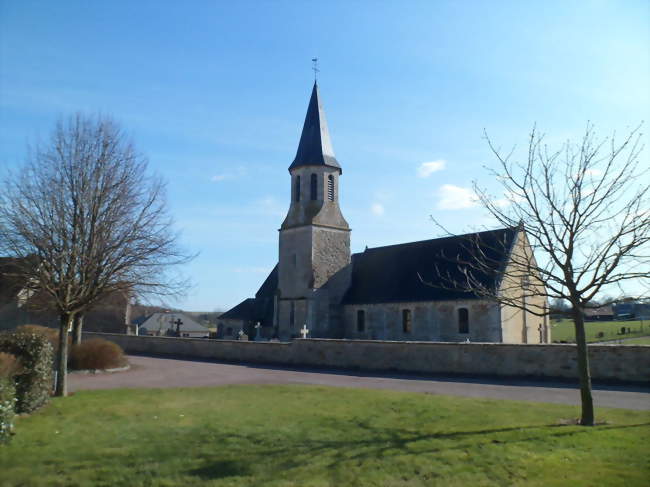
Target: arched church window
(297, 189)
(361, 320)
(463, 320)
(314, 187)
(330, 187)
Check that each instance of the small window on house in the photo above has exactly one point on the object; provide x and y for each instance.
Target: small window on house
(406, 320)
(361, 320)
(463, 320)
(297, 189)
(314, 187)
(330, 187)
(292, 315)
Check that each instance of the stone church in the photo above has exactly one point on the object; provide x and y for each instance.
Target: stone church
(382, 293)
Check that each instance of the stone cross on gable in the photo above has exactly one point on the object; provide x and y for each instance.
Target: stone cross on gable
(304, 331)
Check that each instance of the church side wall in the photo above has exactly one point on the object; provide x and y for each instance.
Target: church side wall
(432, 320)
(608, 362)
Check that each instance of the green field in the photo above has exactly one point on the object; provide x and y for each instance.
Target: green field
(316, 436)
(564, 330)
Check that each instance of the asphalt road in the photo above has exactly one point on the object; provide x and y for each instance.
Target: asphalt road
(155, 372)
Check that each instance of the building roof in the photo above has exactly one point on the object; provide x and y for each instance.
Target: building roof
(315, 147)
(606, 310)
(407, 272)
(252, 309)
(270, 284)
(400, 273)
(164, 321)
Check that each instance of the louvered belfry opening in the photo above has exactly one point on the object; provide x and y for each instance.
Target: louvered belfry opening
(330, 187)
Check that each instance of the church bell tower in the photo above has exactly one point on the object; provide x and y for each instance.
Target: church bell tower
(314, 237)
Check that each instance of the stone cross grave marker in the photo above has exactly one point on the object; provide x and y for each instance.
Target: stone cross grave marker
(258, 336)
(304, 331)
(178, 324)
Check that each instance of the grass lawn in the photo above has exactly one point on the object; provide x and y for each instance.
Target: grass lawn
(317, 436)
(564, 330)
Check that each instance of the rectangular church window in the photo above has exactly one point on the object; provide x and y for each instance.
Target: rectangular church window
(292, 314)
(406, 320)
(361, 320)
(313, 186)
(463, 320)
(297, 189)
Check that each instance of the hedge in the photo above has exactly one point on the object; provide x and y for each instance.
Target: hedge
(34, 383)
(96, 354)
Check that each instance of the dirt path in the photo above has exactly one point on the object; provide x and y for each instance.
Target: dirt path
(154, 372)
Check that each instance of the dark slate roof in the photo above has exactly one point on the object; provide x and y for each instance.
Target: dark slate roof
(243, 311)
(259, 308)
(252, 309)
(390, 274)
(269, 286)
(315, 147)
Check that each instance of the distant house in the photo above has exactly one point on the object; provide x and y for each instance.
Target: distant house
(632, 310)
(172, 324)
(602, 313)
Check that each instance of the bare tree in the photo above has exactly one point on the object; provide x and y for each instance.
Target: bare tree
(583, 211)
(88, 221)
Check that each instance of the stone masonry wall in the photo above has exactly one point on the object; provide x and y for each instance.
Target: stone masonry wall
(608, 362)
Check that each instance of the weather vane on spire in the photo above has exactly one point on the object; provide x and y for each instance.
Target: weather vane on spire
(315, 68)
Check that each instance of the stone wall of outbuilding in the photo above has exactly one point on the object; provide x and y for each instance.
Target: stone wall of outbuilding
(608, 362)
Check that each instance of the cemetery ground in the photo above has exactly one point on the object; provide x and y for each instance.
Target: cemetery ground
(300, 435)
(600, 331)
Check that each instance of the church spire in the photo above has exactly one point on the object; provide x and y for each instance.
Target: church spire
(315, 147)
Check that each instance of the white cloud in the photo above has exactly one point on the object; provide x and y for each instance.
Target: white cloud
(377, 209)
(456, 197)
(509, 197)
(236, 173)
(427, 168)
(593, 172)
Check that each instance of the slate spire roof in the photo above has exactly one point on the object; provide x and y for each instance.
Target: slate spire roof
(315, 147)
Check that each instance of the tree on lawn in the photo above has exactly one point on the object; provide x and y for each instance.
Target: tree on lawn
(584, 209)
(86, 220)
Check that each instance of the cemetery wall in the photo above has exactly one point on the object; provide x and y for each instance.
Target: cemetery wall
(608, 362)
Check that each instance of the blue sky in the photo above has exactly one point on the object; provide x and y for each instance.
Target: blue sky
(214, 93)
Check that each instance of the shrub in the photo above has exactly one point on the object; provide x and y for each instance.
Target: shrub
(34, 381)
(52, 334)
(96, 354)
(9, 367)
(7, 408)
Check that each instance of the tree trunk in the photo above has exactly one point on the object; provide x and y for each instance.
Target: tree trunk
(76, 329)
(65, 320)
(587, 417)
